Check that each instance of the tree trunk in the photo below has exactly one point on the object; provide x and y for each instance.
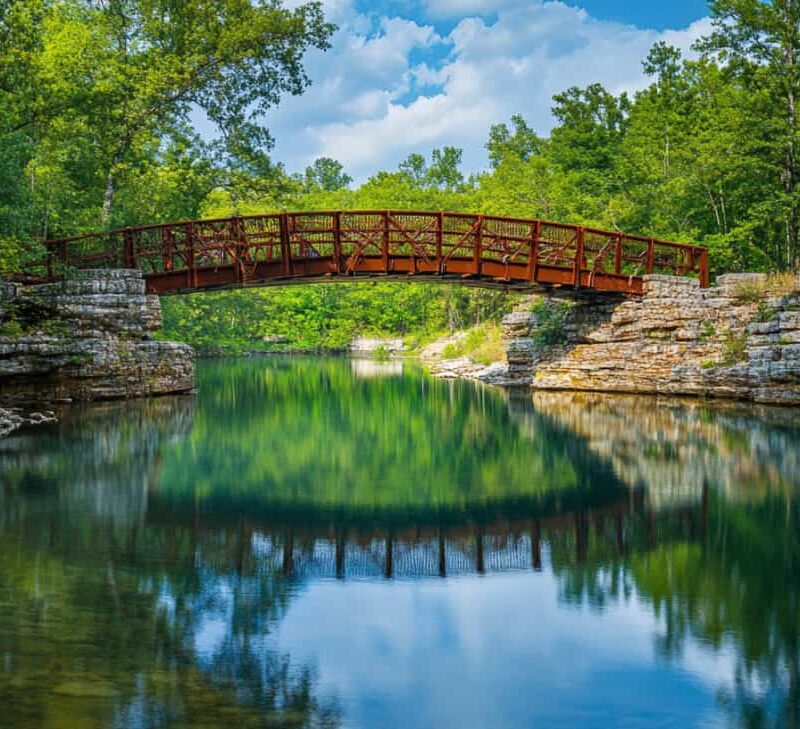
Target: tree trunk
(111, 186)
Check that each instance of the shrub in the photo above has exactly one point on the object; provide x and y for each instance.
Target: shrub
(551, 316)
(735, 348)
(765, 312)
(10, 328)
(381, 353)
(709, 330)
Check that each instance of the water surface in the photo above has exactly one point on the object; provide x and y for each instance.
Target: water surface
(337, 543)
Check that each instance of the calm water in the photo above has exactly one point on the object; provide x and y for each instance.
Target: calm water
(325, 543)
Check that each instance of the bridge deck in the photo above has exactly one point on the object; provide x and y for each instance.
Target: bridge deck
(290, 247)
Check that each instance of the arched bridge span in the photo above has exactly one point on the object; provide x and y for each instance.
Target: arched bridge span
(290, 247)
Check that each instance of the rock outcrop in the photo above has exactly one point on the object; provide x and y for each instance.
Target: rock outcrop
(739, 339)
(371, 345)
(86, 338)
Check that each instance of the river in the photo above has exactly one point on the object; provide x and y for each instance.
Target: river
(325, 542)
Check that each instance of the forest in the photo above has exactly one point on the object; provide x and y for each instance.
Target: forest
(96, 104)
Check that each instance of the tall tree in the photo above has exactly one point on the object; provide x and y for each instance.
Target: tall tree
(161, 60)
(326, 175)
(520, 141)
(760, 44)
(443, 171)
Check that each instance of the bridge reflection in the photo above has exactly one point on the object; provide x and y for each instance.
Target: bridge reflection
(437, 547)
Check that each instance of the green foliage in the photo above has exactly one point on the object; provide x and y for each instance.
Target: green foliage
(521, 143)
(324, 316)
(551, 316)
(381, 354)
(765, 312)
(735, 348)
(708, 330)
(482, 344)
(97, 97)
(10, 328)
(326, 175)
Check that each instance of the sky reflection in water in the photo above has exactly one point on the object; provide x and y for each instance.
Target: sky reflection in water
(337, 543)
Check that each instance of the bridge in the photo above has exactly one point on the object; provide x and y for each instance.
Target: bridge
(293, 247)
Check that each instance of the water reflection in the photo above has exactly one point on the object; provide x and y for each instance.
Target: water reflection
(254, 556)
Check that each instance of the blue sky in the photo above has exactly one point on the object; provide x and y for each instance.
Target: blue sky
(658, 15)
(411, 75)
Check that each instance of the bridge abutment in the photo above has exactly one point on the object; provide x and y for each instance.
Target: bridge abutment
(87, 338)
(739, 339)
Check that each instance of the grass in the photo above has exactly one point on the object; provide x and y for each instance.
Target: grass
(782, 283)
(750, 292)
(482, 344)
(735, 348)
(709, 330)
(775, 284)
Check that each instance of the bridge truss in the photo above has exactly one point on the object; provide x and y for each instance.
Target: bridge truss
(296, 246)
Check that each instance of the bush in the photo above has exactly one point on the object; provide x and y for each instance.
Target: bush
(10, 328)
(551, 316)
(735, 348)
(381, 353)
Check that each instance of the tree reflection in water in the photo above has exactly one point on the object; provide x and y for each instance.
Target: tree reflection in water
(149, 550)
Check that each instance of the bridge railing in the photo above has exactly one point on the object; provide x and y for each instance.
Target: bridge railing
(291, 244)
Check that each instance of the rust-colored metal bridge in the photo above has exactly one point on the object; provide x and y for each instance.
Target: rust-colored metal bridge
(287, 247)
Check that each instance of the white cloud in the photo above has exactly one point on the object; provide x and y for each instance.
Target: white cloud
(392, 86)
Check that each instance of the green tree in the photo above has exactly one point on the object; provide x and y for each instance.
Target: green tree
(231, 58)
(520, 142)
(327, 175)
(443, 171)
(759, 44)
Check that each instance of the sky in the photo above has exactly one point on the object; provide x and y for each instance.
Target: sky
(408, 76)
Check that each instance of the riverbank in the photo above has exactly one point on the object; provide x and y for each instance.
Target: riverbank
(738, 340)
(87, 338)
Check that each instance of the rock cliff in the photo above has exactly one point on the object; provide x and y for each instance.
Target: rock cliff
(86, 338)
(739, 339)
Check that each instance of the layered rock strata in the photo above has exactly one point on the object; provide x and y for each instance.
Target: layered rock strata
(86, 338)
(739, 339)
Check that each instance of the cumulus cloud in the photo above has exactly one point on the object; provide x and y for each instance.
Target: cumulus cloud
(395, 85)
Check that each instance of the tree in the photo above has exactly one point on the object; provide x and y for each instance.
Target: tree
(443, 172)
(20, 42)
(759, 43)
(416, 167)
(522, 143)
(591, 126)
(326, 175)
(160, 59)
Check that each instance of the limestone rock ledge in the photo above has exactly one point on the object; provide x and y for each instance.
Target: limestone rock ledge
(86, 338)
(739, 339)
